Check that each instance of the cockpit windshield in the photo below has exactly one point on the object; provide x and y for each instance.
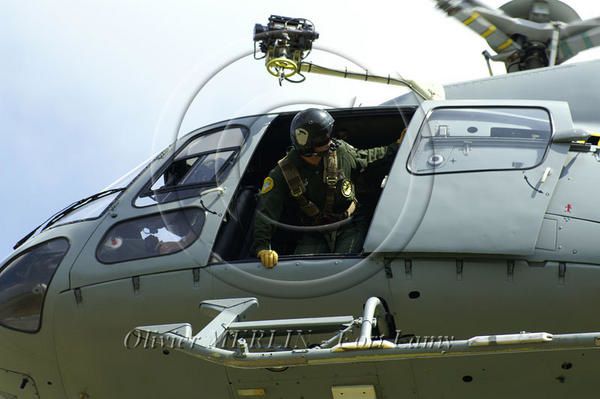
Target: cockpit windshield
(93, 206)
(85, 209)
(24, 282)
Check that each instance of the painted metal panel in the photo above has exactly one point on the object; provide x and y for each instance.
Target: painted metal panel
(492, 212)
(577, 191)
(16, 386)
(548, 235)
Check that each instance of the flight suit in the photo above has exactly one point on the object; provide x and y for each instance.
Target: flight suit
(275, 197)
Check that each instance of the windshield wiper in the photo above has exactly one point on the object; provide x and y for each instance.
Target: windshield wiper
(61, 214)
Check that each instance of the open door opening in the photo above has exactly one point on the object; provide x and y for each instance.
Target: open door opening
(362, 128)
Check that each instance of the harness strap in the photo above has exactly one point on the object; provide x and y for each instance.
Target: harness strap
(331, 176)
(296, 186)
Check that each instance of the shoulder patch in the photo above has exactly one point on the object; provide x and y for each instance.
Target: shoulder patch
(267, 186)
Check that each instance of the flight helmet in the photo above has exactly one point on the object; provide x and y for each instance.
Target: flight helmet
(309, 129)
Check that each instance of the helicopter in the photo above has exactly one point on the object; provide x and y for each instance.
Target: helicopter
(477, 275)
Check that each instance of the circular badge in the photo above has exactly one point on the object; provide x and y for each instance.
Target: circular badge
(347, 188)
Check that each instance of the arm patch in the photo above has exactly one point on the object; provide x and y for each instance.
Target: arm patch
(268, 185)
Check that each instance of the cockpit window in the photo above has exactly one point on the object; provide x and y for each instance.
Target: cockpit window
(201, 163)
(155, 235)
(24, 282)
(194, 170)
(481, 139)
(228, 138)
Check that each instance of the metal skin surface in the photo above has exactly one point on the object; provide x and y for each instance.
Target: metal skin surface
(428, 261)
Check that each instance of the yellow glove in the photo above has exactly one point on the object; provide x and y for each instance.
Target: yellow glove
(268, 257)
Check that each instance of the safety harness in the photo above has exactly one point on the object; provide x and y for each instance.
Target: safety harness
(332, 174)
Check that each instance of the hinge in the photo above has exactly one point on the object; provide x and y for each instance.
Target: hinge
(78, 297)
(510, 270)
(562, 271)
(408, 269)
(387, 265)
(196, 275)
(135, 281)
(459, 269)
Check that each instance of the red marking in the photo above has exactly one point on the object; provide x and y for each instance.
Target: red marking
(568, 208)
(114, 241)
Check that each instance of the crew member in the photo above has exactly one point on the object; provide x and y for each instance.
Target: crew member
(316, 180)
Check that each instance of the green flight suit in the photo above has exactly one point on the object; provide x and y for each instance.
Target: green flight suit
(275, 196)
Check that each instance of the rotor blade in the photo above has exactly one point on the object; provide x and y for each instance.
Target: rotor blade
(571, 46)
(534, 31)
(473, 18)
(449, 5)
(579, 27)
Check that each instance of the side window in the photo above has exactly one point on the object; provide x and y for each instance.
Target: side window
(481, 139)
(201, 163)
(154, 235)
(23, 284)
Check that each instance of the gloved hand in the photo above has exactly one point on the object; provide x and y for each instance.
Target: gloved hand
(268, 258)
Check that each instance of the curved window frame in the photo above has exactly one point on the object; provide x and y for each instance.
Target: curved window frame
(146, 190)
(105, 235)
(17, 256)
(431, 111)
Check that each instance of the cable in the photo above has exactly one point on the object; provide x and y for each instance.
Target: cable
(296, 81)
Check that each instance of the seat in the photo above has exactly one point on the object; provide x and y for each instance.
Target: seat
(236, 229)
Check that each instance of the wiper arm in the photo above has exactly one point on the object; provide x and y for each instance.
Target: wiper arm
(61, 214)
(78, 204)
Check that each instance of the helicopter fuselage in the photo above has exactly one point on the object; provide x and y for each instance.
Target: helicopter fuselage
(485, 224)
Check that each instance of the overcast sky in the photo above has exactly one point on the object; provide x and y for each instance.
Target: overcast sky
(89, 89)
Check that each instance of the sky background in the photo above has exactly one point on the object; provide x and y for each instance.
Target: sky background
(89, 89)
